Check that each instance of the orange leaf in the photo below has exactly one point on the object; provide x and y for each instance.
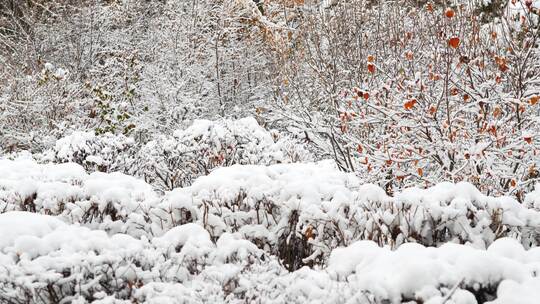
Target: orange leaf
(420, 172)
(497, 111)
(409, 55)
(449, 13)
(432, 110)
(513, 183)
(366, 95)
(371, 68)
(429, 7)
(503, 67)
(465, 97)
(454, 42)
(309, 232)
(359, 149)
(534, 100)
(528, 139)
(370, 58)
(409, 104)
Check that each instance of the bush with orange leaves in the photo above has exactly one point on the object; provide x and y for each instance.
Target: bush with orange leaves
(406, 95)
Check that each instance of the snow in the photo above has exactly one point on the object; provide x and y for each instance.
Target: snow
(412, 267)
(116, 200)
(117, 187)
(177, 152)
(92, 151)
(314, 184)
(512, 292)
(185, 235)
(226, 238)
(17, 224)
(215, 144)
(532, 199)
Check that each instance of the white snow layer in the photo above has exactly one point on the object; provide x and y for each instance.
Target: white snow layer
(288, 233)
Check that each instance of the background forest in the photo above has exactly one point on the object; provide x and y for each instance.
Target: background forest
(400, 92)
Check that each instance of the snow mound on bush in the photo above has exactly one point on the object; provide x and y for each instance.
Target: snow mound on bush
(114, 202)
(293, 233)
(105, 152)
(411, 268)
(21, 224)
(45, 260)
(312, 208)
(175, 161)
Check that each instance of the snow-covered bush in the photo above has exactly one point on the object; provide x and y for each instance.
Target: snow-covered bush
(301, 212)
(106, 152)
(36, 109)
(314, 202)
(247, 233)
(452, 273)
(298, 212)
(45, 260)
(175, 161)
(168, 162)
(448, 93)
(136, 66)
(461, 273)
(112, 202)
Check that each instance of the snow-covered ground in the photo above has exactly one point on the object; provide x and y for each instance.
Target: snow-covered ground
(285, 233)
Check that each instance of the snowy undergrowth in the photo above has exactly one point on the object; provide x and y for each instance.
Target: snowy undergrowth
(45, 260)
(171, 161)
(286, 232)
(113, 202)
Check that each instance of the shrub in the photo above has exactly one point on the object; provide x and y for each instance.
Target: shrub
(175, 161)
